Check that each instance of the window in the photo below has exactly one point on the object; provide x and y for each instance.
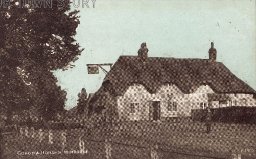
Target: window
(235, 103)
(172, 106)
(223, 102)
(170, 96)
(203, 105)
(133, 107)
(163, 95)
(244, 101)
(230, 103)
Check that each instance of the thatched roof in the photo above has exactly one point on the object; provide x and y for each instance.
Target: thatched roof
(218, 97)
(186, 74)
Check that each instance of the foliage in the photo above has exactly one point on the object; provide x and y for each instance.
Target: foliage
(82, 104)
(33, 43)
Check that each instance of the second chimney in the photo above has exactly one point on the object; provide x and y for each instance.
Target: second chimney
(212, 53)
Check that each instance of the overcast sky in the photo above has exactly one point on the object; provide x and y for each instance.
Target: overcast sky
(171, 28)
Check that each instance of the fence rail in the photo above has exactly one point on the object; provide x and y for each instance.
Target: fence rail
(128, 140)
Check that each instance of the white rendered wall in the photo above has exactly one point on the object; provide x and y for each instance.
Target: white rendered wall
(171, 93)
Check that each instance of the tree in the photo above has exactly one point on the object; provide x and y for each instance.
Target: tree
(34, 42)
(82, 103)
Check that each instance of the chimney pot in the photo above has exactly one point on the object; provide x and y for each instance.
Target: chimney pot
(212, 53)
(143, 51)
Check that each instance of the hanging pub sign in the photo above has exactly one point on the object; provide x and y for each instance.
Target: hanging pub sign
(93, 69)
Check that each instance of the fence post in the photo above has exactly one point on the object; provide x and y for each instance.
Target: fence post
(32, 132)
(236, 156)
(108, 149)
(82, 146)
(1, 143)
(26, 131)
(41, 133)
(153, 152)
(50, 135)
(21, 131)
(63, 139)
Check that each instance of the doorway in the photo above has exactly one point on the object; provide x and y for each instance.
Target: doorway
(155, 110)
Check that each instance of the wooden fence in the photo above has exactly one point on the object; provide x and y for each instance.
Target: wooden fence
(234, 114)
(130, 140)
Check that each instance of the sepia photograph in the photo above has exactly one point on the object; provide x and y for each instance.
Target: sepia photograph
(127, 79)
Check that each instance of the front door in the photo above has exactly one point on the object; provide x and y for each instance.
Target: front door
(156, 110)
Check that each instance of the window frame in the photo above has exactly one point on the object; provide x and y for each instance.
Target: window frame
(133, 106)
(172, 106)
(203, 105)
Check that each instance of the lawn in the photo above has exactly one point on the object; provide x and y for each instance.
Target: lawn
(174, 139)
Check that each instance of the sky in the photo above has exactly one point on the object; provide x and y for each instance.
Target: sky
(171, 28)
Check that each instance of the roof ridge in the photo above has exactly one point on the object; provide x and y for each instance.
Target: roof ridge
(185, 72)
(175, 58)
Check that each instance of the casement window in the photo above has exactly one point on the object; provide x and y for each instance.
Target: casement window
(223, 102)
(170, 96)
(230, 103)
(172, 106)
(163, 95)
(244, 102)
(133, 107)
(235, 103)
(203, 105)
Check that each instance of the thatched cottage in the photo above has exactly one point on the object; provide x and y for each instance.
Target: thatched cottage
(154, 88)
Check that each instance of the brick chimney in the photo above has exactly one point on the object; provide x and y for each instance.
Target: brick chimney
(212, 53)
(143, 51)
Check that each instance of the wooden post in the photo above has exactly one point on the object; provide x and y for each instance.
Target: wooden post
(63, 140)
(32, 129)
(108, 149)
(41, 135)
(236, 156)
(153, 152)
(1, 143)
(50, 137)
(26, 131)
(21, 131)
(82, 146)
